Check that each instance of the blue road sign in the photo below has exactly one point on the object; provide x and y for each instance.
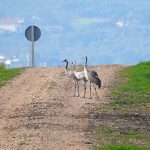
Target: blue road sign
(33, 35)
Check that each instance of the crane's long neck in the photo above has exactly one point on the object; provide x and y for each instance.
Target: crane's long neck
(85, 64)
(85, 69)
(66, 68)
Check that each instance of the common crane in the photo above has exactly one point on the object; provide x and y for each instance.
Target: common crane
(80, 75)
(91, 76)
(71, 74)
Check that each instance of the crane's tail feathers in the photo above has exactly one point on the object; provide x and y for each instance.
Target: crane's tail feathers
(97, 81)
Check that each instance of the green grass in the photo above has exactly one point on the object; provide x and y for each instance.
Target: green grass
(122, 147)
(130, 97)
(109, 136)
(8, 74)
(2, 66)
(134, 87)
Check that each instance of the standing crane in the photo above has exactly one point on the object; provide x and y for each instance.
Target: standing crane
(71, 75)
(80, 75)
(91, 76)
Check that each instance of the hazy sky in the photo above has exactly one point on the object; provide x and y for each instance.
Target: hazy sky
(107, 31)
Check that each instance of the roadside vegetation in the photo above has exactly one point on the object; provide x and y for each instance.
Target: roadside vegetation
(127, 117)
(8, 74)
(123, 147)
(136, 89)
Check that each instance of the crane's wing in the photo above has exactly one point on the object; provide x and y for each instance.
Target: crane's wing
(93, 72)
(94, 78)
(80, 75)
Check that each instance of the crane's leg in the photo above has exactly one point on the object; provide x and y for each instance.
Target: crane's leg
(90, 90)
(95, 91)
(84, 89)
(74, 88)
(78, 88)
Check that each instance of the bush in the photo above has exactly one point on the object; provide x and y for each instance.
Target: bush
(2, 66)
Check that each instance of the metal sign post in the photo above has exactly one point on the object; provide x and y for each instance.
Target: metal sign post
(32, 34)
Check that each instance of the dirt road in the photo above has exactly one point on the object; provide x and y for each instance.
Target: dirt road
(38, 111)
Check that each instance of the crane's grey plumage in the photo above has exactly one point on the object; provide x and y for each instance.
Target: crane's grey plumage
(80, 75)
(71, 74)
(91, 76)
(76, 76)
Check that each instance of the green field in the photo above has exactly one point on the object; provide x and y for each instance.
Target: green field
(8, 74)
(136, 89)
(122, 147)
(127, 116)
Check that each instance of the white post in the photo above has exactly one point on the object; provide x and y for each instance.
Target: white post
(32, 36)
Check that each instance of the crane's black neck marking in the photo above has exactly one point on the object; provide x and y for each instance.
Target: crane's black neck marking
(86, 61)
(66, 64)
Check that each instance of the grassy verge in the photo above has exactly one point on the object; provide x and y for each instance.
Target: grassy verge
(134, 85)
(8, 74)
(110, 138)
(126, 118)
(122, 147)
